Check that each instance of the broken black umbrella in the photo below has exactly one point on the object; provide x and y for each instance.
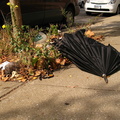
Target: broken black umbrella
(89, 55)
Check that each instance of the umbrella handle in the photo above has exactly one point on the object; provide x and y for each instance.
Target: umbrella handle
(105, 78)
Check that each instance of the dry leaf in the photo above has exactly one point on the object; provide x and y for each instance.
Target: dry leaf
(20, 78)
(51, 75)
(99, 37)
(38, 45)
(30, 77)
(34, 78)
(37, 73)
(58, 60)
(89, 33)
(23, 80)
(63, 62)
(5, 79)
(53, 36)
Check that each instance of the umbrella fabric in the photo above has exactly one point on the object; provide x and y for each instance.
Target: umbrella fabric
(89, 55)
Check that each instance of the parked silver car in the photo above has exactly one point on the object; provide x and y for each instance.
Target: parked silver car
(102, 6)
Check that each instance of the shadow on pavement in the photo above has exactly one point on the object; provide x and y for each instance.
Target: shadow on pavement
(85, 104)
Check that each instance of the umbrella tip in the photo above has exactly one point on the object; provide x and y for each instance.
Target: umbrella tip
(105, 78)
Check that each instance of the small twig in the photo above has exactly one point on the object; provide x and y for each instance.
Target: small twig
(3, 16)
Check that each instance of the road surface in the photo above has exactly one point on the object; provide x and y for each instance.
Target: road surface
(83, 18)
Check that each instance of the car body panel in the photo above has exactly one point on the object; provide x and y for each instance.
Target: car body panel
(53, 10)
(36, 12)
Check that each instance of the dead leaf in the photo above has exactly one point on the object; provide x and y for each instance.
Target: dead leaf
(98, 38)
(20, 78)
(53, 36)
(58, 60)
(89, 33)
(5, 79)
(37, 73)
(34, 78)
(38, 45)
(63, 62)
(23, 80)
(51, 75)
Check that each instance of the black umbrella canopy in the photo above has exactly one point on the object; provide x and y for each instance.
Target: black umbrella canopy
(89, 55)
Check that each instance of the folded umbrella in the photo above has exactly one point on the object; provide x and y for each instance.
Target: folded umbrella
(89, 55)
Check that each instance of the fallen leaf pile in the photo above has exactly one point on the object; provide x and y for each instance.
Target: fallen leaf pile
(27, 74)
(92, 35)
(43, 68)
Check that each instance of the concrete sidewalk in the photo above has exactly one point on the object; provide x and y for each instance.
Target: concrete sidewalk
(71, 95)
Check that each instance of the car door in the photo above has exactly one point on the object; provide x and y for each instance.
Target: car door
(53, 11)
(33, 11)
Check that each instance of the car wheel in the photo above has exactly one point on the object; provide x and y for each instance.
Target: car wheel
(82, 5)
(88, 13)
(69, 17)
(118, 10)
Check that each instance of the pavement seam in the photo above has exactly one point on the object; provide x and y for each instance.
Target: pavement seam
(76, 86)
(7, 93)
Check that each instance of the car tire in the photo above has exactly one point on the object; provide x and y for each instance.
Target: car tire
(118, 10)
(88, 13)
(69, 17)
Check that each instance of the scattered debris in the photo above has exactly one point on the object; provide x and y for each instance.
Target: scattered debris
(2, 66)
(67, 103)
(91, 34)
(11, 70)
